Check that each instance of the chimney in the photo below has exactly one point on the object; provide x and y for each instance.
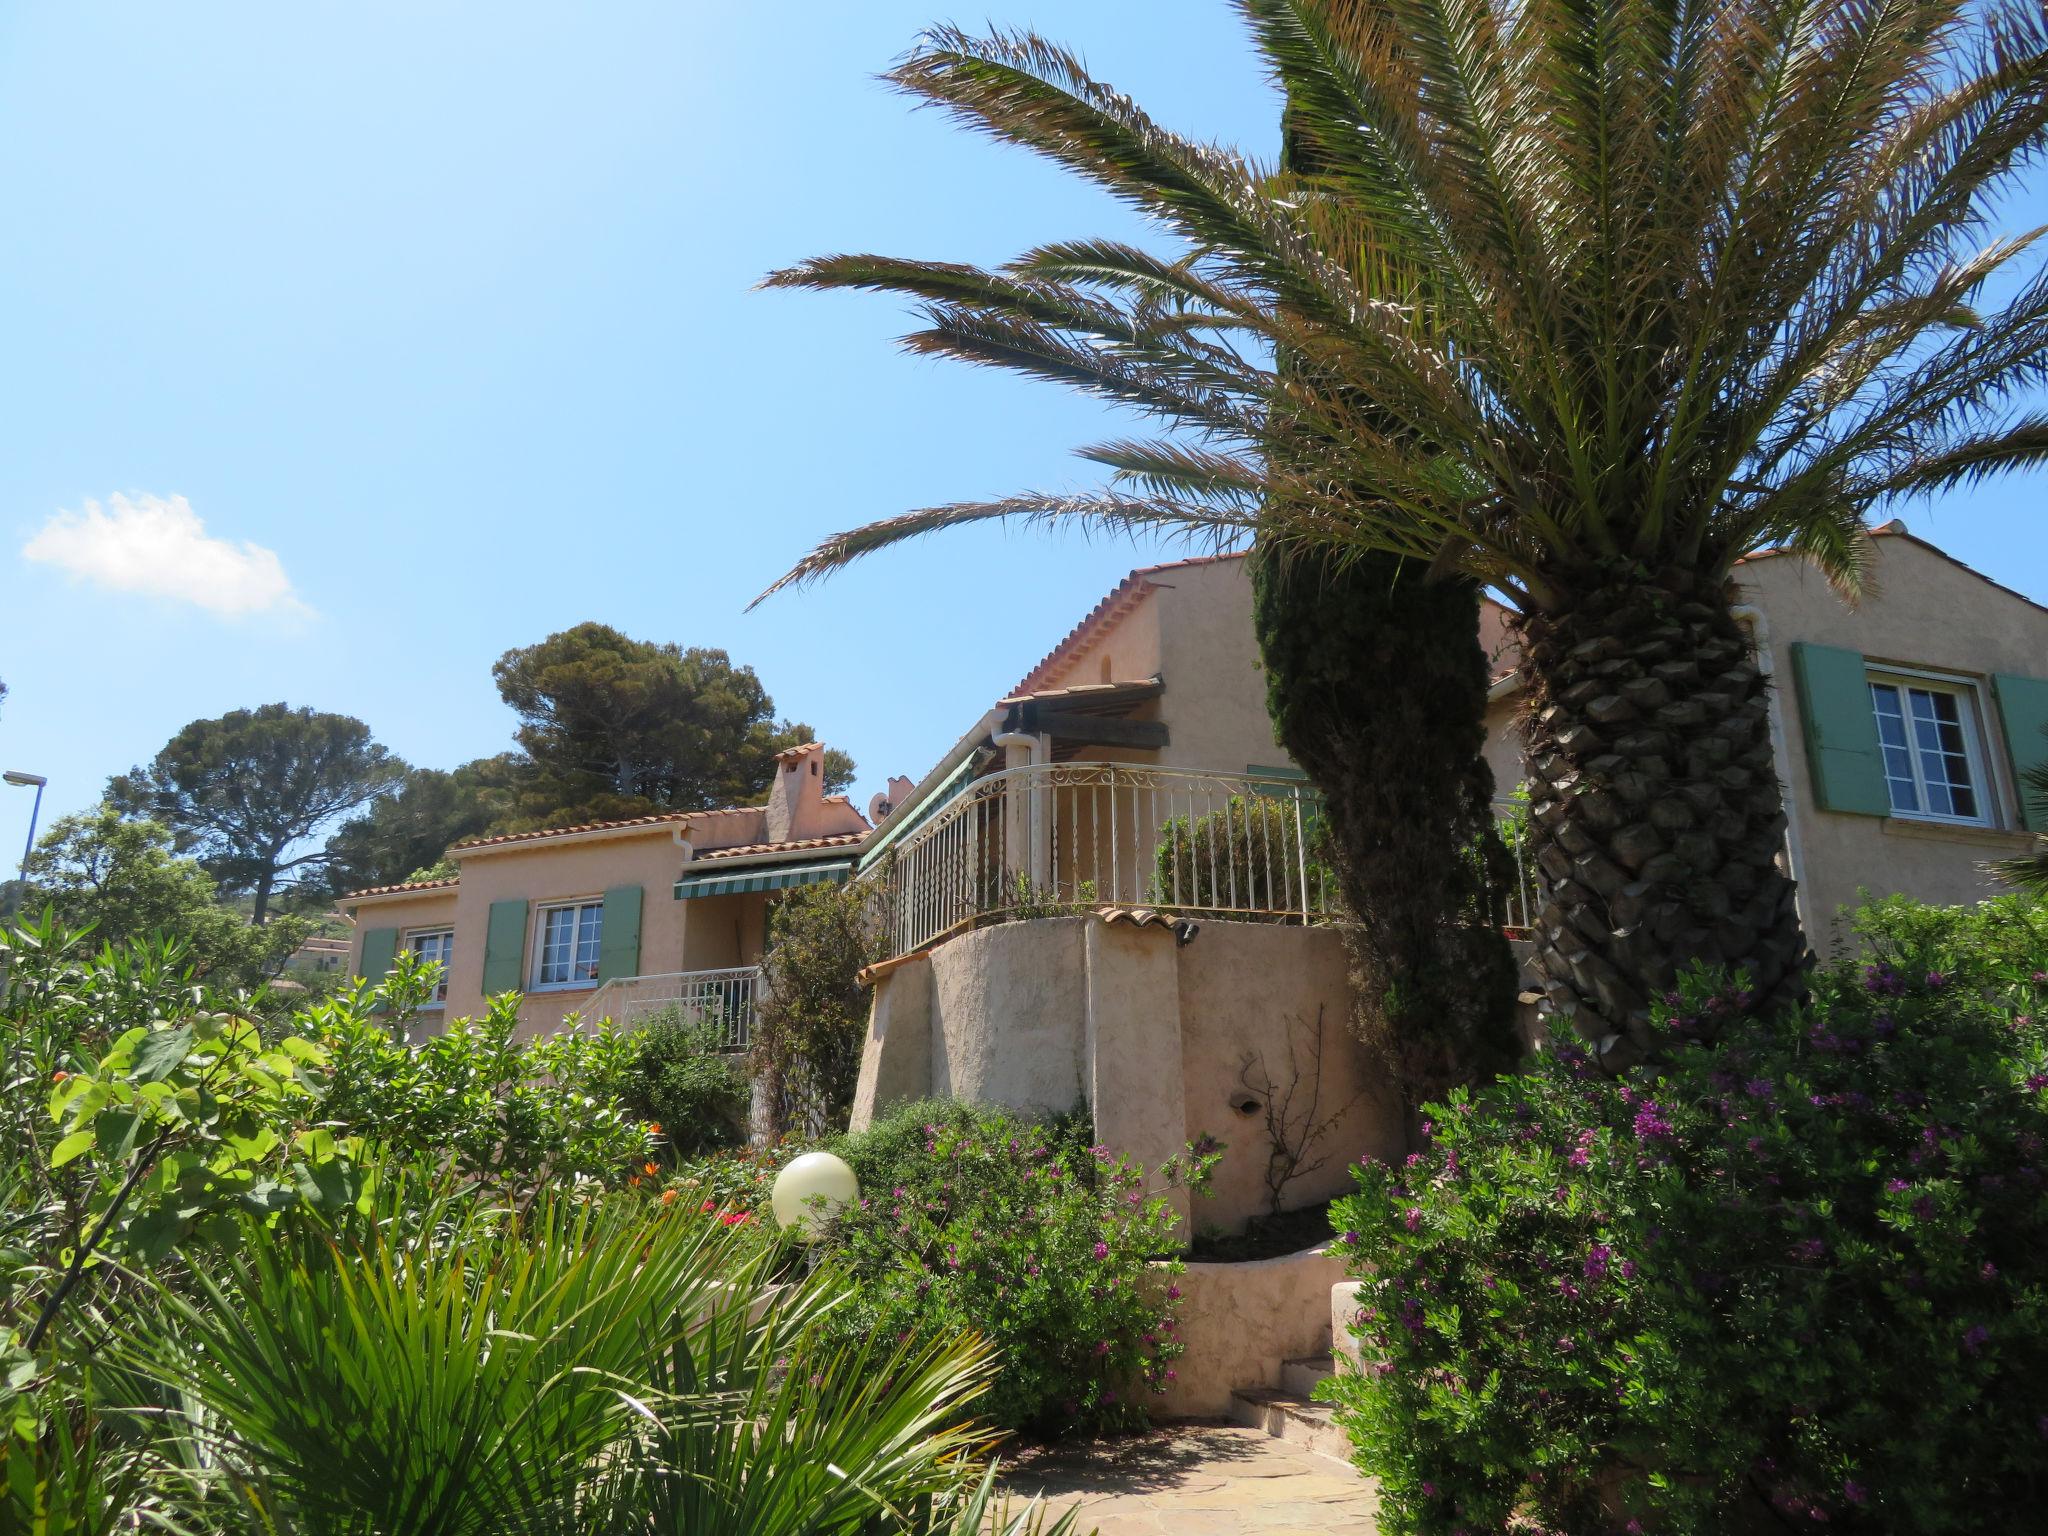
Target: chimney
(795, 799)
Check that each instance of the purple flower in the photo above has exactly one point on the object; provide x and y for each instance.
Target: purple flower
(1429, 1490)
(1974, 1339)
(1854, 1491)
(1597, 1258)
(1897, 1186)
(1102, 1250)
(1937, 979)
(1628, 1269)
(1811, 1251)
(1651, 1124)
(1758, 1088)
(1412, 1217)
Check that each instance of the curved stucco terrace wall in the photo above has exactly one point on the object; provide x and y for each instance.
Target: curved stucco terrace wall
(1163, 1042)
(1242, 1323)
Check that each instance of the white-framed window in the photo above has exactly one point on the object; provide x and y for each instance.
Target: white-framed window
(566, 936)
(438, 945)
(1933, 762)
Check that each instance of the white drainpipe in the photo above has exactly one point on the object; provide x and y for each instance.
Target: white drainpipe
(1795, 860)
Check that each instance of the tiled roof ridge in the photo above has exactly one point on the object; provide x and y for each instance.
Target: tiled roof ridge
(403, 885)
(1122, 598)
(788, 845)
(660, 818)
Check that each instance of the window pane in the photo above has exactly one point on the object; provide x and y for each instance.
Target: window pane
(590, 927)
(439, 948)
(558, 939)
(1891, 737)
(1944, 763)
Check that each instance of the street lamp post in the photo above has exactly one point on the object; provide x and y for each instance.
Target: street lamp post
(24, 780)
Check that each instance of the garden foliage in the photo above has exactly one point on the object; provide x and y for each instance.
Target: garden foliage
(976, 1220)
(813, 1009)
(1246, 857)
(248, 1290)
(1801, 1271)
(683, 1079)
(973, 1220)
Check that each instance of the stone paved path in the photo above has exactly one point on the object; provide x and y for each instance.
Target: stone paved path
(1200, 1480)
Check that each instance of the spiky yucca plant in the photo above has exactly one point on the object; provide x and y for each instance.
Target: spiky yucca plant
(1582, 301)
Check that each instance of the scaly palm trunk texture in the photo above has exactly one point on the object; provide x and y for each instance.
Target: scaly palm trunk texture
(1657, 814)
(1377, 688)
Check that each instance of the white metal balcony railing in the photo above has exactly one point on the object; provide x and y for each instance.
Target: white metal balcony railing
(724, 999)
(1069, 837)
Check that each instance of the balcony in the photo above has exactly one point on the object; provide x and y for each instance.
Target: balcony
(722, 998)
(1059, 838)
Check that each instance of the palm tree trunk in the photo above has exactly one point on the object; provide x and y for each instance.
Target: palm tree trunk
(1658, 820)
(1377, 688)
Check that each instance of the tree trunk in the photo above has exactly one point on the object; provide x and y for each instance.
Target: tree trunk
(1657, 819)
(260, 907)
(1377, 688)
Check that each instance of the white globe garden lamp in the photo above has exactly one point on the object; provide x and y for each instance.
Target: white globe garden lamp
(814, 1176)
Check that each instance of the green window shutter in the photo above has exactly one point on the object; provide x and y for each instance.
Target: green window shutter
(1841, 730)
(2023, 711)
(380, 949)
(505, 948)
(618, 952)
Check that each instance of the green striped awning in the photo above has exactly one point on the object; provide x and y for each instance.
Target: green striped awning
(774, 877)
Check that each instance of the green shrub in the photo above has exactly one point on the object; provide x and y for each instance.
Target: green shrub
(974, 1220)
(1245, 857)
(684, 1082)
(813, 1010)
(1802, 1272)
(518, 1114)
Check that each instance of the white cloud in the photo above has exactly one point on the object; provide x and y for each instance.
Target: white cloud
(158, 546)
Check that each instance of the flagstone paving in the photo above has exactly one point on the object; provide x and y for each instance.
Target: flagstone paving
(1200, 1480)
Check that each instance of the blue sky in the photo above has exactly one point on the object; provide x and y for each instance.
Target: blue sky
(450, 309)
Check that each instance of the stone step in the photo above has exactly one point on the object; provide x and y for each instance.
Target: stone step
(1292, 1418)
(1301, 1376)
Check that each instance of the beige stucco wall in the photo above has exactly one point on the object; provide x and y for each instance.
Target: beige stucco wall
(1152, 1035)
(1193, 628)
(1254, 1000)
(536, 873)
(1925, 612)
(1209, 655)
(408, 912)
(1008, 1007)
(1242, 1322)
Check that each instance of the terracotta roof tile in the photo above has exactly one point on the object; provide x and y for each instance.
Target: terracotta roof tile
(403, 887)
(1113, 607)
(836, 840)
(662, 819)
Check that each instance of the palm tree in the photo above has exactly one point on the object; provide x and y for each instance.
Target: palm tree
(1581, 302)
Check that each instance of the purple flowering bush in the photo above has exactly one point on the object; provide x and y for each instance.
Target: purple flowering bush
(975, 1220)
(1795, 1277)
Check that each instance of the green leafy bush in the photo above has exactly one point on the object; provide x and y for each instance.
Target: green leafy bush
(813, 1010)
(683, 1081)
(298, 1338)
(518, 1114)
(1245, 857)
(1801, 1272)
(974, 1220)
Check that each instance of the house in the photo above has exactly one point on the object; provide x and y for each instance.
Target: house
(1134, 767)
(1902, 725)
(611, 919)
(1129, 795)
